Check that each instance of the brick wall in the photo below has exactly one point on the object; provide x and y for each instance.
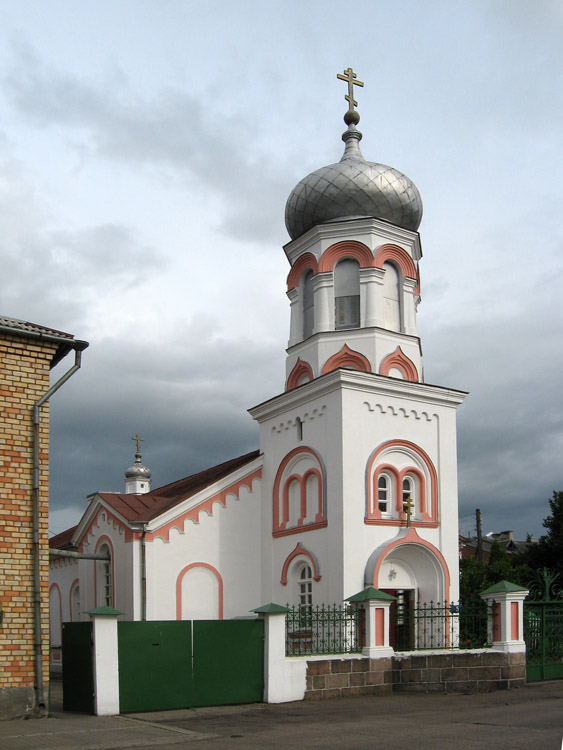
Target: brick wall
(446, 672)
(24, 378)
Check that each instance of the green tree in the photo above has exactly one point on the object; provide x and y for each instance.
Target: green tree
(548, 551)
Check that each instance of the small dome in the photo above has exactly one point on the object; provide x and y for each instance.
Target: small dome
(353, 187)
(138, 470)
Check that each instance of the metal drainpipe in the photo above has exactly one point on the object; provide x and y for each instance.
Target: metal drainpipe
(79, 347)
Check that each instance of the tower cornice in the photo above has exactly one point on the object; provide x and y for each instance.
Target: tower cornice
(334, 231)
(358, 381)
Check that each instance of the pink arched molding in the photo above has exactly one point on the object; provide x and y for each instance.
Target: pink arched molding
(307, 262)
(280, 498)
(300, 550)
(183, 572)
(347, 358)
(300, 370)
(429, 515)
(345, 249)
(399, 256)
(412, 537)
(399, 361)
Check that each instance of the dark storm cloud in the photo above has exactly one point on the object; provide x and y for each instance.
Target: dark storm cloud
(170, 131)
(510, 429)
(187, 395)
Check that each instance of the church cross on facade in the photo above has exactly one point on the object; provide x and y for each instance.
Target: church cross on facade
(350, 78)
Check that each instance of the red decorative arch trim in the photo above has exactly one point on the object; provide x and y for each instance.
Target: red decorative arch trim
(204, 506)
(412, 537)
(181, 575)
(305, 262)
(399, 361)
(280, 496)
(429, 515)
(300, 550)
(399, 256)
(300, 370)
(345, 249)
(346, 357)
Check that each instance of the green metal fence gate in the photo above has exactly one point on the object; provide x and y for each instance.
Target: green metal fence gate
(164, 665)
(543, 628)
(170, 664)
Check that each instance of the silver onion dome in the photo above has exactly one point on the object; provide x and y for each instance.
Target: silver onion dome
(138, 470)
(353, 187)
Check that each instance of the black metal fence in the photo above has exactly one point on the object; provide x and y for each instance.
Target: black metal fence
(432, 625)
(324, 629)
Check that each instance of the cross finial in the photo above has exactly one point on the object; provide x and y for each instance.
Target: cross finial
(350, 78)
(138, 439)
(408, 507)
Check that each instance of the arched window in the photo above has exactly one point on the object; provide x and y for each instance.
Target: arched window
(347, 294)
(391, 298)
(401, 474)
(104, 578)
(305, 586)
(409, 495)
(308, 304)
(75, 603)
(384, 493)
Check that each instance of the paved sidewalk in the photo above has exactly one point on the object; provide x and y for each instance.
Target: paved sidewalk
(524, 718)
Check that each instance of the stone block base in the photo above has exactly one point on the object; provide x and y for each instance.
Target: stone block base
(433, 672)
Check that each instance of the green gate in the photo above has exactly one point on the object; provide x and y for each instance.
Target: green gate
(154, 665)
(228, 662)
(543, 628)
(180, 664)
(78, 667)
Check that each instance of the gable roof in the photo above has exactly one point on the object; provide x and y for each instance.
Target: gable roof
(62, 540)
(143, 508)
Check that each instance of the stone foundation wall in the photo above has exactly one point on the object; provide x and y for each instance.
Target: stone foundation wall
(334, 678)
(464, 672)
(444, 672)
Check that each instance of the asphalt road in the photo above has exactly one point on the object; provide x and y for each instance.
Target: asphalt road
(528, 717)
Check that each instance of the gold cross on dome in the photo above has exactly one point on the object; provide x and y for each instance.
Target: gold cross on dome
(138, 439)
(408, 507)
(350, 78)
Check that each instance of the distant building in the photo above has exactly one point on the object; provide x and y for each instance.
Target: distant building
(27, 353)
(468, 545)
(355, 481)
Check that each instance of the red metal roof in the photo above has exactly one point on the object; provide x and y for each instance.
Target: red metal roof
(143, 508)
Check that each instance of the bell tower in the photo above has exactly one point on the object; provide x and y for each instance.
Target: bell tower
(354, 283)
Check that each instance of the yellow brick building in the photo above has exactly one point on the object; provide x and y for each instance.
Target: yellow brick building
(28, 352)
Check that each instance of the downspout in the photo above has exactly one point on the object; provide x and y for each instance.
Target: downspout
(78, 347)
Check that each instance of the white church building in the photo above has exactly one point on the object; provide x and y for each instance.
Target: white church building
(355, 480)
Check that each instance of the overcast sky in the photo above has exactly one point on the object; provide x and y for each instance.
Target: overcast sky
(146, 153)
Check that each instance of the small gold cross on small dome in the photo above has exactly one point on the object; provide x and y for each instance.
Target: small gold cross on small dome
(350, 78)
(138, 439)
